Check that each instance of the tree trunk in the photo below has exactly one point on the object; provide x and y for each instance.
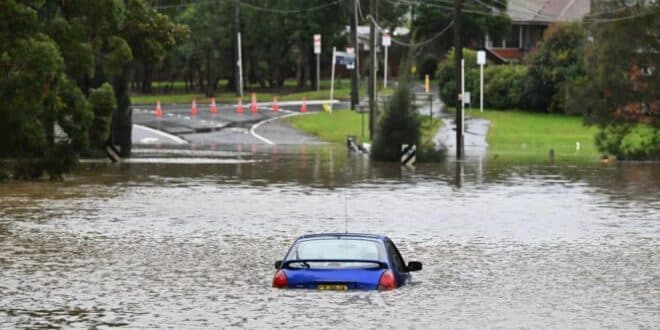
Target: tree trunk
(209, 81)
(146, 78)
(122, 121)
(300, 66)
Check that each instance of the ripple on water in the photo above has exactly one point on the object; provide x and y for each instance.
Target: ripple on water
(550, 249)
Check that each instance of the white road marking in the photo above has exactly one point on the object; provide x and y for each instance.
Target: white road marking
(257, 125)
(174, 138)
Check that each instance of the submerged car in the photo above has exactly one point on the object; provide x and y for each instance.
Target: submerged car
(343, 262)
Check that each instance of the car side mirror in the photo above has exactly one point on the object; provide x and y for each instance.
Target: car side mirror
(278, 264)
(414, 266)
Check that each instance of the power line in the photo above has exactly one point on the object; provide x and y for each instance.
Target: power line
(253, 7)
(416, 44)
(289, 11)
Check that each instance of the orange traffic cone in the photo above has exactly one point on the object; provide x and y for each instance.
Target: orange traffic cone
(253, 106)
(239, 107)
(193, 108)
(276, 107)
(214, 108)
(159, 110)
(303, 106)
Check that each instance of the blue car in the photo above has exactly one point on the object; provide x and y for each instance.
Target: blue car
(343, 262)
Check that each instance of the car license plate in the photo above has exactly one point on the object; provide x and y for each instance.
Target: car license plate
(333, 287)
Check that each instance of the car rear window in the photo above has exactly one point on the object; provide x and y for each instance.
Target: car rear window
(338, 249)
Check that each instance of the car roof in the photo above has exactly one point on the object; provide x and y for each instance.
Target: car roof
(343, 235)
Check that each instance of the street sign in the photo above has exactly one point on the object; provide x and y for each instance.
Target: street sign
(481, 60)
(317, 44)
(387, 39)
(481, 57)
(350, 51)
(345, 58)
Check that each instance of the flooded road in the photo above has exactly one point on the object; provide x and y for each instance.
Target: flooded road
(172, 244)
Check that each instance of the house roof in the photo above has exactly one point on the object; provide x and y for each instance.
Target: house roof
(547, 11)
(504, 55)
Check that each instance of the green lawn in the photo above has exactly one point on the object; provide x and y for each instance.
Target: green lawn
(342, 92)
(336, 126)
(520, 134)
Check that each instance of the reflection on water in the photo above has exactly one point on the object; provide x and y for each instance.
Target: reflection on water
(191, 244)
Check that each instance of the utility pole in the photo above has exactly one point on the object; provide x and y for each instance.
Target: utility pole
(372, 72)
(458, 57)
(355, 74)
(239, 60)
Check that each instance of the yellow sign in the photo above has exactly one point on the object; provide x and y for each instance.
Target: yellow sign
(427, 86)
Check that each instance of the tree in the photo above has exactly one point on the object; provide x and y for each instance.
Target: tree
(621, 88)
(64, 72)
(553, 65)
(35, 91)
(150, 35)
(480, 18)
(400, 124)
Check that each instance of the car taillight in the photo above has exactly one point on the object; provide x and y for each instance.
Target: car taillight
(279, 281)
(387, 281)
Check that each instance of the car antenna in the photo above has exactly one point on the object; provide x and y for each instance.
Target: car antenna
(345, 211)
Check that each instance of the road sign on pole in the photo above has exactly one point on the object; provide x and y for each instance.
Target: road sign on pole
(387, 41)
(239, 63)
(350, 51)
(317, 51)
(342, 58)
(317, 44)
(481, 60)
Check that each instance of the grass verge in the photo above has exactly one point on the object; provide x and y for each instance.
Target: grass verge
(342, 92)
(336, 126)
(518, 134)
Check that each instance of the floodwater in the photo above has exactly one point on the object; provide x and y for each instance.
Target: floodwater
(190, 242)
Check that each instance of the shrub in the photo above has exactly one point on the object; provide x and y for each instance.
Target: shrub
(554, 64)
(642, 142)
(398, 125)
(504, 86)
(447, 75)
(103, 103)
(630, 141)
(3, 174)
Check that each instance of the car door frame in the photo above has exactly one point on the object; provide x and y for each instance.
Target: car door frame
(402, 275)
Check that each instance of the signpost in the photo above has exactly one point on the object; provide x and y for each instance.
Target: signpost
(343, 58)
(350, 51)
(427, 89)
(317, 51)
(387, 41)
(462, 98)
(239, 63)
(481, 60)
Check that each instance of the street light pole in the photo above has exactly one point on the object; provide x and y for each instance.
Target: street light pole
(374, 66)
(458, 55)
(239, 64)
(355, 73)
